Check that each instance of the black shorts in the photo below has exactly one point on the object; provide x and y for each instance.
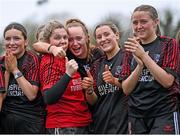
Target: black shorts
(166, 124)
(13, 124)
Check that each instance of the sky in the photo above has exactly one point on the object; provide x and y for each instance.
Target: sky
(89, 11)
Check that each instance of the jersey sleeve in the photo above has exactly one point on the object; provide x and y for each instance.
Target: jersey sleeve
(50, 71)
(30, 68)
(2, 81)
(126, 66)
(170, 57)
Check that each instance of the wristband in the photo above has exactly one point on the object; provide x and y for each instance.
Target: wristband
(17, 75)
(49, 48)
(90, 91)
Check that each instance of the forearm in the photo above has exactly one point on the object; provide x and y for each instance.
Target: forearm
(91, 97)
(29, 90)
(41, 47)
(53, 94)
(2, 97)
(159, 74)
(130, 83)
(117, 83)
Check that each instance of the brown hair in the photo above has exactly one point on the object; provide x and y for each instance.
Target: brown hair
(49, 27)
(111, 25)
(38, 31)
(152, 12)
(16, 26)
(178, 37)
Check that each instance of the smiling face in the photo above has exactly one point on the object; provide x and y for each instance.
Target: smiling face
(59, 37)
(107, 40)
(78, 42)
(144, 26)
(15, 42)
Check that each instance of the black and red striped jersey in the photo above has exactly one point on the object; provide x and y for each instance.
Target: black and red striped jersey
(150, 98)
(16, 102)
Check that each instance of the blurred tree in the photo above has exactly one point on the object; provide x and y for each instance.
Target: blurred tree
(1, 47)
(168, 26)
(167, 23)
(41, 2)
(177, 28)
(31, 29)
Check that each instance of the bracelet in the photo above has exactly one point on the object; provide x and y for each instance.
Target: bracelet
(90, 91)
(17, 75)
(49, 47)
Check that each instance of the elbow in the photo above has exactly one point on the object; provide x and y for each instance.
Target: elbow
(34, 46)
(31, 98)
(168, 84)
(125, 90)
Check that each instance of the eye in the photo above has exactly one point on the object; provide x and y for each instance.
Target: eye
(135, 22)
(7, 38)
(106, 34)
(78, 38)
(16, 38)
(144, 21)
(57, 37)
(65, 37)
(70, 39)
(98, 37)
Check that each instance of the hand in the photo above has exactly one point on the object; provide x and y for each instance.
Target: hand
(58, 51)
(10, 62)
(107, 75)
(132, 45)
(139, 61)
(87, 82)
(71, 67)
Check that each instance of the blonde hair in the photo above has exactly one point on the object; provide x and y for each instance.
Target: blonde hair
(40, 30)
(49, 27)
(79, 23)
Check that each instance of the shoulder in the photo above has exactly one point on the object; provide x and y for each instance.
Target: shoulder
(31, 57)
(32, 54)
(96, 50)
(97, 53)
(166, 40)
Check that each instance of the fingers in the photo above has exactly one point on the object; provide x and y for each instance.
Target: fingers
(106, 68)
(66, 59)
(58, 52)
(89, 74)
(107, 75)
(87, 82)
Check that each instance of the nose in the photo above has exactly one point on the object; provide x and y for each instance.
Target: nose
(11, 41)
(75, 42)
(103, 38)
(139, 25)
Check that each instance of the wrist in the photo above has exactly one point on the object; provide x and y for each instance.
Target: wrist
(49, 48)
(90, 91)
(52, 48)
(17, 74)
(69, 74)
(143, 56)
